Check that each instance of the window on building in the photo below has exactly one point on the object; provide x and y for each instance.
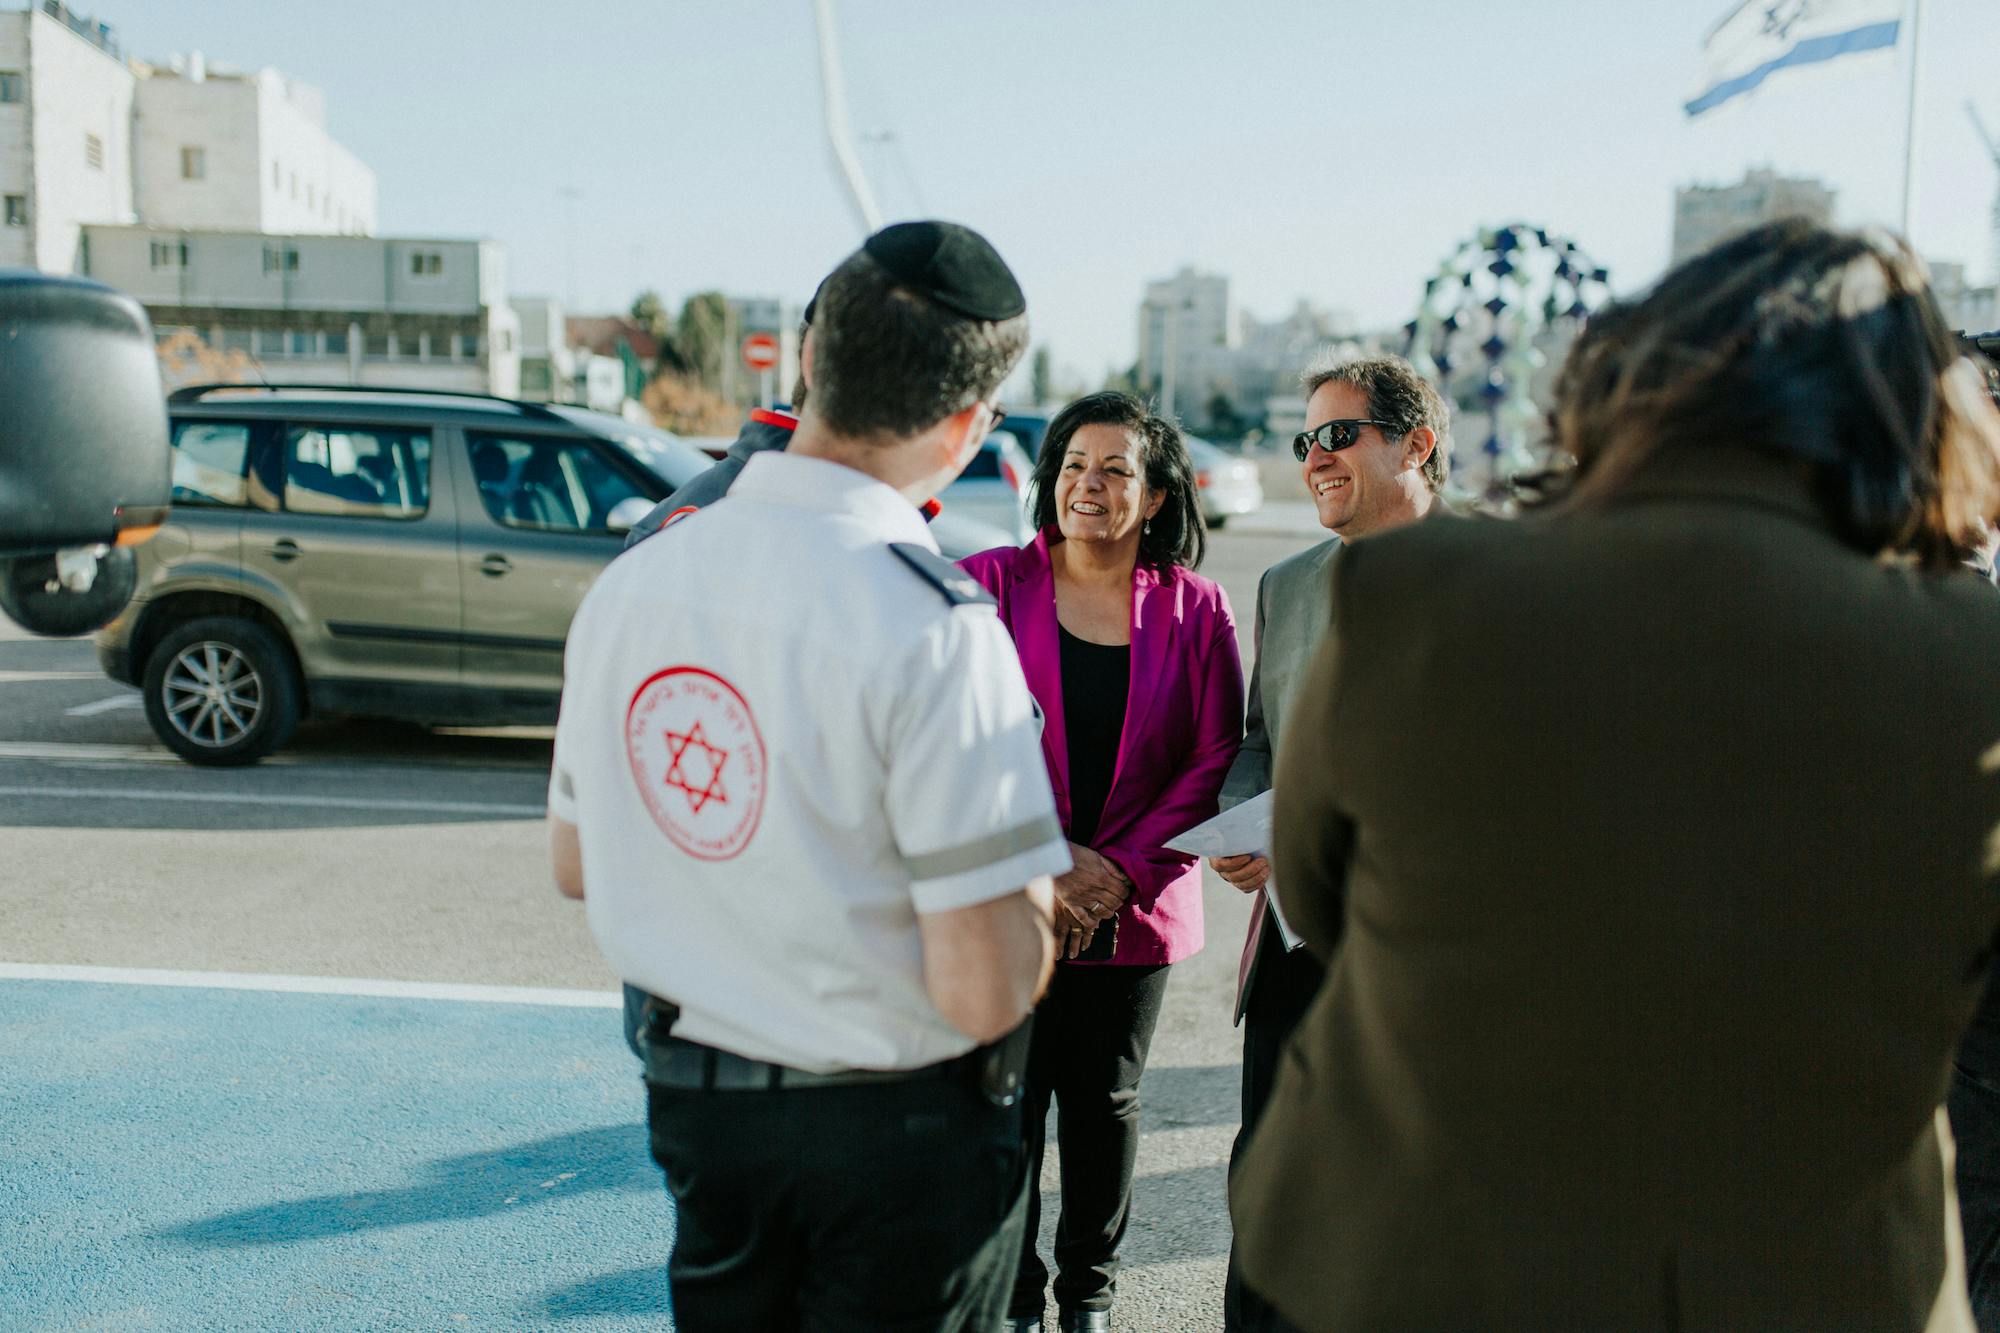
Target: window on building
(360, 473)
(169, 254)
(281, 259)
(301, 344)
(409, 347)
(13, 88)
(194, 163)
(237, 340)
(93, 152)
(209, 458)
(17, 210)
(375, 347)
(336, 344)
(468, 346)
(426, 263)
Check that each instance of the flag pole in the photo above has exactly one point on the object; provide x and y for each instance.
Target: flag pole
(1910, 118)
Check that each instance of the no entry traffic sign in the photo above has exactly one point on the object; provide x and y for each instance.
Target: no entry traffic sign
(760, 351)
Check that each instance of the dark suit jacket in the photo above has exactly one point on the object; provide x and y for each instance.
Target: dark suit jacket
(1656, 922)
(1294, 603)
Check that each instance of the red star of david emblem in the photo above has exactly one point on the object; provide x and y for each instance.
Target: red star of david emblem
(684, 745)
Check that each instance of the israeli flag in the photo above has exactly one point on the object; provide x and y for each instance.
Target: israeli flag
(1760, 37)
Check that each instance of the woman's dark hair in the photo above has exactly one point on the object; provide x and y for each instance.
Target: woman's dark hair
(1804, 342)
(1178, 535)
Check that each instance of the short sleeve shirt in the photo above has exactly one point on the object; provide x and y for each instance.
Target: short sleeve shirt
(780, 744)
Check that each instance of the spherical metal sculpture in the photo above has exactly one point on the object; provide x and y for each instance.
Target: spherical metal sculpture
(1491, 318)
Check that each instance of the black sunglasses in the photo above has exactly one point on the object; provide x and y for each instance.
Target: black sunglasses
(1334, 435)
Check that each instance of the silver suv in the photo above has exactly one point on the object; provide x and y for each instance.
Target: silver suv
(374, 552)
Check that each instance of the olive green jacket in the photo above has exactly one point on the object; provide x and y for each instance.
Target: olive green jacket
(1652, 926)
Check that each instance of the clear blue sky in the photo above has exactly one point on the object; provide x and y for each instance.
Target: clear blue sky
(1335, 151)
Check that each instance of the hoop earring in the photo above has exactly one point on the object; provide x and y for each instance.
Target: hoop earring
(1146, 528)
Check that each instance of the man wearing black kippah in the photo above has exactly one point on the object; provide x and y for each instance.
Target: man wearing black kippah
(804, 802)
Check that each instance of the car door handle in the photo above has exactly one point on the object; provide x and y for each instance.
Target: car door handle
(493, 566)
(284, 549)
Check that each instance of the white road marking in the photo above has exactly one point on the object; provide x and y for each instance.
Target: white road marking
(114, 703)
(27, 677)
(96, 753)
(396, 990)
(88, 752)
(301, 802)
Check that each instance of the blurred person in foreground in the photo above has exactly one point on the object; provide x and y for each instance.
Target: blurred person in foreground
(1132, 657)
(1375, 454)
(803, 801)
(1652, 932)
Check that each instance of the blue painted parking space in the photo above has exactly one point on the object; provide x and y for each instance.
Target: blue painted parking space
(193, 1158)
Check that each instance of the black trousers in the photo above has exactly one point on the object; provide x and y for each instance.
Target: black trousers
(877, 1207)
(1280, 993)
(1092, 1032)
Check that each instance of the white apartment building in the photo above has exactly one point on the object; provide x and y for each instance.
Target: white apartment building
(299, 309)
(548, 362)
(227, 151)
(87, 137)
(65, 135)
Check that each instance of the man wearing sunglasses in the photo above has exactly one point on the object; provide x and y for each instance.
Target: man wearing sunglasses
(1374, 455)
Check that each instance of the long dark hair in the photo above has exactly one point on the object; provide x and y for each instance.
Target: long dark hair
(1797, 340)
(1177, 535)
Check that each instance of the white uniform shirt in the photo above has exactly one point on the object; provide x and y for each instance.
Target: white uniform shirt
(780, 743)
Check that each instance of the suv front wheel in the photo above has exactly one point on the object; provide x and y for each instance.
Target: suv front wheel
(221, 691)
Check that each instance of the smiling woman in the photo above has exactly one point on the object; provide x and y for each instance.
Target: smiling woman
(1132, 657)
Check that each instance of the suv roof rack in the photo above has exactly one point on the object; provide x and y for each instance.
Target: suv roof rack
(191, 393)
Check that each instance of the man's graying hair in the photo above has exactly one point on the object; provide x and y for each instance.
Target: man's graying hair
(890, 363)
(1399, 395)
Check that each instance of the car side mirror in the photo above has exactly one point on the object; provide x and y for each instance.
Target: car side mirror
(627, 512)
(85, 468)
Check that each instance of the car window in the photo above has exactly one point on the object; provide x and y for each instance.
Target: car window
(209, 460)
(985, 466)
(547, 485)
(357, 471)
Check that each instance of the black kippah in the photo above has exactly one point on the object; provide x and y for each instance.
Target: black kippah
(952, 265)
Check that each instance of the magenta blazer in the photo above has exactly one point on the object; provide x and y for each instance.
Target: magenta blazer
(1183, 722)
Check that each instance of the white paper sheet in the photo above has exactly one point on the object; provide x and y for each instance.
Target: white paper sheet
(1239, 830)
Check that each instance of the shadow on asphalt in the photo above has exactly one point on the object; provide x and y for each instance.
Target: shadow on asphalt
(636, 1291)
(1188, 1098)
(614, 1157)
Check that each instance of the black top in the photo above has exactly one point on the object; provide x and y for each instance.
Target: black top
(1095, 680)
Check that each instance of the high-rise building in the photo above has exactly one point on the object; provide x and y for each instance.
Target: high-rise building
(1706, 215)
(1186, 331)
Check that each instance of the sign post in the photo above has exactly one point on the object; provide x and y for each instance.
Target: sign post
(760, 354)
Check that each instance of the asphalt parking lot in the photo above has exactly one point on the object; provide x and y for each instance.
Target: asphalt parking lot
(316, 1044)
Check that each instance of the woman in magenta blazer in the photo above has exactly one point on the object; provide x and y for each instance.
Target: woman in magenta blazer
(1133, 659)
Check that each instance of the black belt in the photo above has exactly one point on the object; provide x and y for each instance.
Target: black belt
(673, 1062)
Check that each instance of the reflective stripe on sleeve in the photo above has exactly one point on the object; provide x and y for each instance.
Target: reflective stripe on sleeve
(986, 851)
